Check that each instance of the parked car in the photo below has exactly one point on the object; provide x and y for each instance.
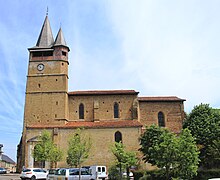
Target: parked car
(51, 173)
(73, 174)
(3, 171)
(33, 173)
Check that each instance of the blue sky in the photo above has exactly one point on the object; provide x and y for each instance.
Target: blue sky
(156, 47)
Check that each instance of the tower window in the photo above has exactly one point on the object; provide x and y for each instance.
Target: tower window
(42, 53)
(81, 111)
(39, 85)
(63, 53)
(161, 120)
(118, 137)
(116, 110)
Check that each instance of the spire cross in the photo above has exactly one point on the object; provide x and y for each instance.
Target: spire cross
(47, 11)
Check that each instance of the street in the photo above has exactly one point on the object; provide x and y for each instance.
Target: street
(10, 176)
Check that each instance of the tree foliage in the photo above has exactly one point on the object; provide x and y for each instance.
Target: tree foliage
(56, 155)
(187, 155)
(124, 159)
(46, 150)
(177, 155)
(213, 150)
(204, 123)
(78, 150)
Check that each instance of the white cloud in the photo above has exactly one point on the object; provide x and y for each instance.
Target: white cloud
(164, 44)
(156, 47)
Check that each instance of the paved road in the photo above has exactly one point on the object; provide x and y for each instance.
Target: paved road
(9, 176)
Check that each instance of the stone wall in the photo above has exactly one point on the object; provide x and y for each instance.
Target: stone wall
(101, 107)
(173, 113)
(102, 139)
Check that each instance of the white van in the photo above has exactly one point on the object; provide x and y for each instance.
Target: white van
(100, 172)
(73, 174)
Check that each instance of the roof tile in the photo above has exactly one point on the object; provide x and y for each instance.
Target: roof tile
(104, 92)
(160, 98)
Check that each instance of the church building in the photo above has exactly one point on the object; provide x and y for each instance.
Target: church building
(106, 116)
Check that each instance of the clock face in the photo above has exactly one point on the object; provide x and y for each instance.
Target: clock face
(40, 67)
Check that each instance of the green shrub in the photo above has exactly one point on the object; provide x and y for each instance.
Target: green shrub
(138, 174)
(204, 174)
(113, 173)
(146, 177)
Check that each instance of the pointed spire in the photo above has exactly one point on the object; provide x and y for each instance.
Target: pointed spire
(46, 37)
(60, 40)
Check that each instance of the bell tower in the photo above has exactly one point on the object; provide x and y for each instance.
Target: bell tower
(46, 100)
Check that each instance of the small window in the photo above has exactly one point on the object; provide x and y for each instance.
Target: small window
(63, 53)
(116, 110)
(118, 137)
(42, 53)
(39, 85)
(48, 53)
(37, 54)
(161, 120)
(81, 111)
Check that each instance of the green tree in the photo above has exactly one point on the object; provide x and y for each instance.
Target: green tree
(56, 155)
(42, 149)
(187, 157)
(214, 150)
(46, 150)
(124, 159)
(78, 150)
(204, 124)
(163, 150)
(170, 152)
(148, 140)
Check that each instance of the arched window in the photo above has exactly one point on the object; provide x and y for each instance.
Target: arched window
(81, 111)
(161, 120)
(116, 110)
(118, 136)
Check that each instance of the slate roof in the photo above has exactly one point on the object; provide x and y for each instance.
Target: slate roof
(45, 38)
(161, 99)
(7, 159)
(104, 92)
(93, 125)
(60, 40)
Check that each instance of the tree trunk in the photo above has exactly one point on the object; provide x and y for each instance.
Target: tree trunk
(167, 172)
(127, 171)
(120, 171)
